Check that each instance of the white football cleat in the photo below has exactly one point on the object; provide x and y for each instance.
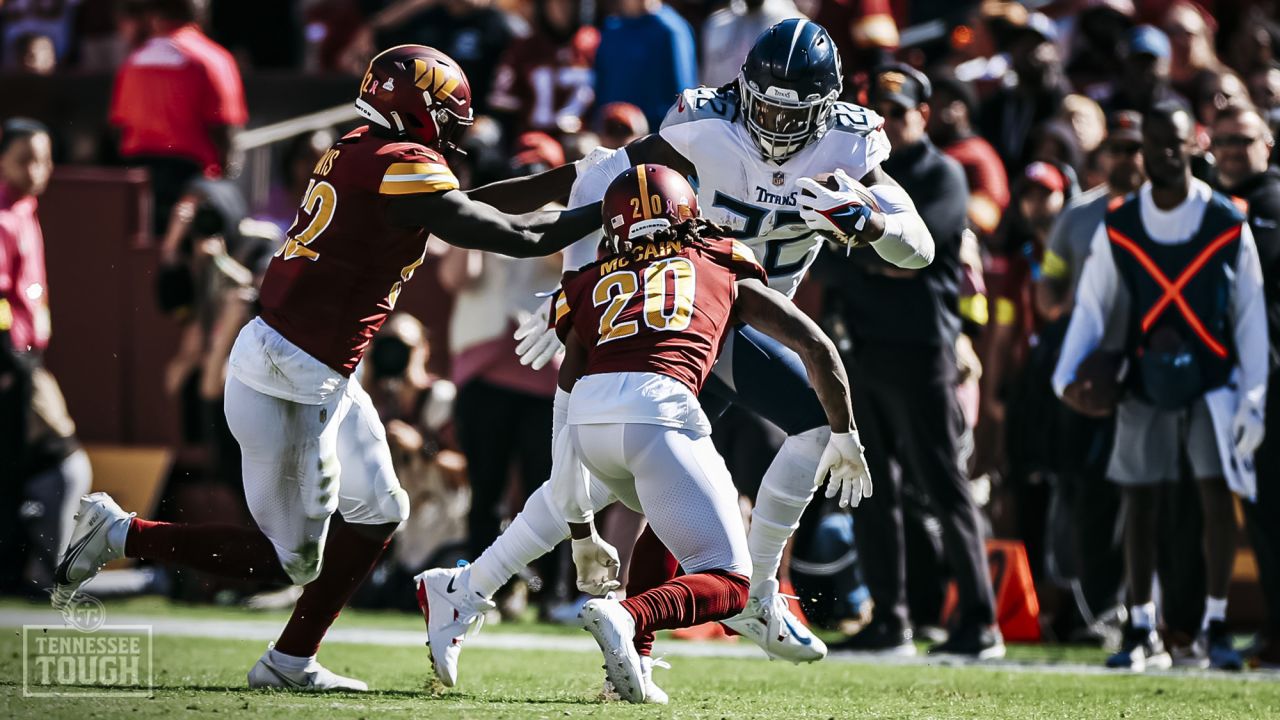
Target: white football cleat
(615, 632)
(653, 695)
(268, 674)
(97, 539)
(767, 621)
(452, 612)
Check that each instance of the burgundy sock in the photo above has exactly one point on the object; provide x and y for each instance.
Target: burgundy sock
(651, 566)
(689, 600)
(349, 555)
(227, 550)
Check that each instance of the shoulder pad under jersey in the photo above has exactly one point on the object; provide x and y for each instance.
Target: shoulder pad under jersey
(850, 118)
(703, 103)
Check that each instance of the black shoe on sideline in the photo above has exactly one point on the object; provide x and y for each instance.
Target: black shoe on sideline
(981, 642)
(879, 638)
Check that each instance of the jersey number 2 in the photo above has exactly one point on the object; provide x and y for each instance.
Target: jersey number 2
(319, 202)
(669, 286)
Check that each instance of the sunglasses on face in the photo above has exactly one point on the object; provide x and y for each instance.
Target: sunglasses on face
(893, 111)
(1233, 141)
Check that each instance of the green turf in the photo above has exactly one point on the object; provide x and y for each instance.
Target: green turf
(207, 676)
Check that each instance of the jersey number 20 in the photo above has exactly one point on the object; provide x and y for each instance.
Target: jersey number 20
(669, 286)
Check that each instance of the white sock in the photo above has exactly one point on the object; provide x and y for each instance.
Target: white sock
(1144, 615)
(118, 533)
(290, 662)
(1214, 609)
(785, 492)
(534, 532)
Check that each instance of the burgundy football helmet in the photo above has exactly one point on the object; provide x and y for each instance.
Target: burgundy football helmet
(642, 201)
(418, 92)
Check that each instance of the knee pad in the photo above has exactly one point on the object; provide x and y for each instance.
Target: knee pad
(789, 478)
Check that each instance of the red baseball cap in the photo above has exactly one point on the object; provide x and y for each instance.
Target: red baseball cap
(1046, 176)
(537, 148)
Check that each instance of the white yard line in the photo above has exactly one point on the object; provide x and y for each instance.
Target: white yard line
(266, 631)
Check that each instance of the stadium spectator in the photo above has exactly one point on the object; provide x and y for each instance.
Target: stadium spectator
(1088, 122)
(300, 157)
(475, 33)
(1095, 43)
(336, 37)
(730, 32)
(1264, 89)
(1255, 43)
(1242, 143)
(102, 44)
(864, 31)
(503, 410)
(36, 54)
(1176, 397)
(1191, 39)
(53, 20)
(646, 57)
(953, 106)
(417, 409)
(620, 123)
(1007, 118)
(1213, 91)
(1144, 73)
(545, 81)
(44, 468)
(177, 103)
(903, 326)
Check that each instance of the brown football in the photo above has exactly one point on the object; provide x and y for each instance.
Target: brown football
(1096, 389)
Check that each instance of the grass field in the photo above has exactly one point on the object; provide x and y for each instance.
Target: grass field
(205, 676)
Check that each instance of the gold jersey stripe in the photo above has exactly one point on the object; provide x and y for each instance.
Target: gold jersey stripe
(437, 184)
(562, 308)
(744, 253)
(406, 168)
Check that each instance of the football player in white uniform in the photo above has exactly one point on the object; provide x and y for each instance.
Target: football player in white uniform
(754, 147)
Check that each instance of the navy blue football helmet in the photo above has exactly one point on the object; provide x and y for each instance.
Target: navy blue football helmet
(787, 86)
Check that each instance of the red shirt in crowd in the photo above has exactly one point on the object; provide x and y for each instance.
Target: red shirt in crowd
(988, 183)
(170, 91)
(663, 308)
(338, 275)
(546, 81)
(24, 295)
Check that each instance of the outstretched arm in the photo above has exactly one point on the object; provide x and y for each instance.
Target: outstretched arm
(770, 312)
(458, 220)
(527, 194)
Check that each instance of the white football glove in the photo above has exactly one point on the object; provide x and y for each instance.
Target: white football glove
(597, 564)
(839, 211)
(1249, 426)
(843, 460)
(538, 342)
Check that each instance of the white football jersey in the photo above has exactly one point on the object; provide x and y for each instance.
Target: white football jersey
(756, 198)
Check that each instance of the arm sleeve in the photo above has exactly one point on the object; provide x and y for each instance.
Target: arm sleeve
(907, 242)
(1094, 300)
(1250, 320)
(225, 104)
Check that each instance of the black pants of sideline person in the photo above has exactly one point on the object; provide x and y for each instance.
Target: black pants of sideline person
(906, 409)
(1263, 515)
(497, 428)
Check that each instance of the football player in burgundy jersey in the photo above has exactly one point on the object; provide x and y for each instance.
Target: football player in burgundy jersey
(311, 441)
(643, 327)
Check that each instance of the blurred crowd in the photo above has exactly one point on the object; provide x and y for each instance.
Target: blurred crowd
(1013, 129)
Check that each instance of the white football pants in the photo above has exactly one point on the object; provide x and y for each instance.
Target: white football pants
(680, 483)
(304, 462)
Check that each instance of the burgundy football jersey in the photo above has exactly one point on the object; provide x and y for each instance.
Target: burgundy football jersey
(544, 79)
(662, 308)
(337, 276)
